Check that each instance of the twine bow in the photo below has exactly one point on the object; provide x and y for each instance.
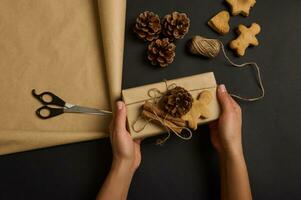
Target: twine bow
(155, 94)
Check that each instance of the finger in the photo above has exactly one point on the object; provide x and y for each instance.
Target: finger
(235, 104)
(232, 101)
(120, 117)
(224, 98)
(138, 141)
(213, 124)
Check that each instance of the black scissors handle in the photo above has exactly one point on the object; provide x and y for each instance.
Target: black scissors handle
(55, 100)
(46, 112)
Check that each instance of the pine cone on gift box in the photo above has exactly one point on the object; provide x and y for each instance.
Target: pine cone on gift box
(161, 52)
(176, 102)
(175, 25)
(148, 26)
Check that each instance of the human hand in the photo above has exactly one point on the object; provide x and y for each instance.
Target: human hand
(126, 151)
(126, 158)
(225, 133)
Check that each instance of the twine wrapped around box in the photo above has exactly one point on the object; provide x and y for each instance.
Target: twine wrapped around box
(135, 98)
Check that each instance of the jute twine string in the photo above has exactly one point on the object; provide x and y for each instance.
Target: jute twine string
(169, 128)
(161, 93)
(210, 48)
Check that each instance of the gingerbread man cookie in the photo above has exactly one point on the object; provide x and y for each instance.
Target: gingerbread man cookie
(241, 6)
(198, 109)
(220, 22)
(247, 37)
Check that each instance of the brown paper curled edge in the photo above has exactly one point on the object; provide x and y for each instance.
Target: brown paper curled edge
(54, 45)
(112, 22)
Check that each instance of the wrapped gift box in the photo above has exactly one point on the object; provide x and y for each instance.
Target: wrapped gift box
(134, 98)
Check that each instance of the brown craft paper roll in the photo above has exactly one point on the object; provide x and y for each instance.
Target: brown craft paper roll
(57, 46)
(112, 21)
(134, 98)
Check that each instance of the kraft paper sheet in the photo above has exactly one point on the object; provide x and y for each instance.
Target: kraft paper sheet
(56, 46)
(134, 98)
(112, 22)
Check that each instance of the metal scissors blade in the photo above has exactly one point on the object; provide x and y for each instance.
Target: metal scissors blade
(86, 110)
(46, 111)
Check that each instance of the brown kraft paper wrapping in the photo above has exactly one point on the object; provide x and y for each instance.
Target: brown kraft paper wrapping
(56, 46)
(112, 22)
(134, 99)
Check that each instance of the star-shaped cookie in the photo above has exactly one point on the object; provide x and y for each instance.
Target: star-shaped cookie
(241, 6)
(220, 22)
(199, 109)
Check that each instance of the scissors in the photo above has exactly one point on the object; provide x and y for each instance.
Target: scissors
(49, 99)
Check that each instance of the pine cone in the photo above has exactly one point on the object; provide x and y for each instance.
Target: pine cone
(147, 26)
(176, 102)
(161, 52)
(175, 25)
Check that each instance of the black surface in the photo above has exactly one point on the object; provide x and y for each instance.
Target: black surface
(188, 170)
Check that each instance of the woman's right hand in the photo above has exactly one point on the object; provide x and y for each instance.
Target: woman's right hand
(225, 136)
(225, 133)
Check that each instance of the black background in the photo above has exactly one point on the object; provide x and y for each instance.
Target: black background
(189, 169)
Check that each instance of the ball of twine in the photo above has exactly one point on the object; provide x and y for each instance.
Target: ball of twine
(209, 48)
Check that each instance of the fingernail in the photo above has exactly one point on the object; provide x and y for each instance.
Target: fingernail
(119, 105)
(222, 88)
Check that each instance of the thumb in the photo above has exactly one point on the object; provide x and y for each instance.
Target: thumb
(223, 97)
(120, 117)
(213, 125)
